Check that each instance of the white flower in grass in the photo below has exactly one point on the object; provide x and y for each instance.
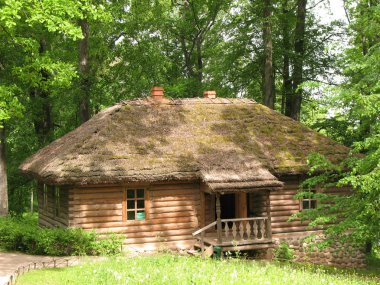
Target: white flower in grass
(94, 271)
(234, 274)
(117, 275)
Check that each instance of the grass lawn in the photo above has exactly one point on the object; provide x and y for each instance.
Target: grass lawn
(175, 269)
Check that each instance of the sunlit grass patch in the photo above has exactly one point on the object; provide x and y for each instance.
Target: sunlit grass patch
(176, 269)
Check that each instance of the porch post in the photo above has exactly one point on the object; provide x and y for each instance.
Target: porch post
(218, 220)
(269, 222)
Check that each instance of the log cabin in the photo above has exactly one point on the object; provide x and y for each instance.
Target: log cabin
(180, 172)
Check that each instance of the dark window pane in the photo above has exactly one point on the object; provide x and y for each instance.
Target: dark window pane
(313, 204)
(140, 215)
(140, 193)
(305, 204)
(130, 193)
(140, 204)
(130, 215)
(130, 204)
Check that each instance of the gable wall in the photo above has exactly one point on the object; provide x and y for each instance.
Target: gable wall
(46, 214)
(173, 213)
(283, 206)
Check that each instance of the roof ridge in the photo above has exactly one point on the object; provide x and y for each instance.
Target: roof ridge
(188, 101)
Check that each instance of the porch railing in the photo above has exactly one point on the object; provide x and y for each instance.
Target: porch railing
(238, 231)
(245, 229)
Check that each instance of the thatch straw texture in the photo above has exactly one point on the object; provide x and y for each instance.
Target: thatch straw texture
(220, 141)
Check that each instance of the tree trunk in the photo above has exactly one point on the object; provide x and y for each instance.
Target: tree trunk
(299, 50)
(84, 71)
(3, 175)
(199, 61)
(269, 92)
(43, 121)
(287, 97)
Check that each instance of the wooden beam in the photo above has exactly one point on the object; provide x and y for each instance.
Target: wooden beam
(218, 218)
(269, 221)
(241, 210)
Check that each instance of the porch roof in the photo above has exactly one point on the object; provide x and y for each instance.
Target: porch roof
(246, 181)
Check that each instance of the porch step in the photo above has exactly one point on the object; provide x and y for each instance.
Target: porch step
(230, 247)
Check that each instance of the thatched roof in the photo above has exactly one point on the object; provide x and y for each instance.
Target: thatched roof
(228, 143)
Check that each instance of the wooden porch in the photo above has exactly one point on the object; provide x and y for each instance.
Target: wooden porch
(245, 233)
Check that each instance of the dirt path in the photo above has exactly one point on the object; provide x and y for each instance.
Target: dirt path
(13, 264)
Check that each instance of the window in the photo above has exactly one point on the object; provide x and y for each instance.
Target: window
(309, 202)
(57, 203)
(45, 198)
(135, 204)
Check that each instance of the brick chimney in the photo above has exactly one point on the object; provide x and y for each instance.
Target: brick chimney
(211, 94)
(157, 93)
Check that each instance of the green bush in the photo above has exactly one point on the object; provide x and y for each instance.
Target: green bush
(23, 234)
(284, 252)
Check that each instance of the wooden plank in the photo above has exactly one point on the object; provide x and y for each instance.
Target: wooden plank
(287, 224)
(86, 220)
(148, 227)
(177, 192)
(248, 247)
(152, 246)
(95, 202)
(203, 209)
(241, 205)
(283, 192)
(116, 224)
(53, 221)
(290, 229)
(282, 197)
(172, 215)
(124, 207)
(139, 234)
(100, 196)
(168, 187)
(283, 208)
(184, 219)
(280, 218)
(190, 197)
(82, 214)
(96, 207)
(157, 239)
(155, 204)
(154, 211)
(276, 203)
(94, 190)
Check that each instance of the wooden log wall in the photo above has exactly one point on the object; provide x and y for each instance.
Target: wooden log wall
(209, 209)
(173, 213)
(47, 214)
(257, 204)
(283, 206)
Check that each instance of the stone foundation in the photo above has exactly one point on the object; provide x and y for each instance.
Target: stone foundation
(337, 255)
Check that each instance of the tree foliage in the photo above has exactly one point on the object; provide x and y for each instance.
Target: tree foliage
(62, 61)
(356, 122)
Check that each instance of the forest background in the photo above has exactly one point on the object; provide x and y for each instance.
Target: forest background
(62, 61)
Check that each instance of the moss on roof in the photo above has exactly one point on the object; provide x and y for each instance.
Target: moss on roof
(216, 140)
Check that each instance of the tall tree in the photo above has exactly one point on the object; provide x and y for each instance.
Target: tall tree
(84, 72)
(286, 98)
(268, 86)
(3, 175)
(299, 53)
